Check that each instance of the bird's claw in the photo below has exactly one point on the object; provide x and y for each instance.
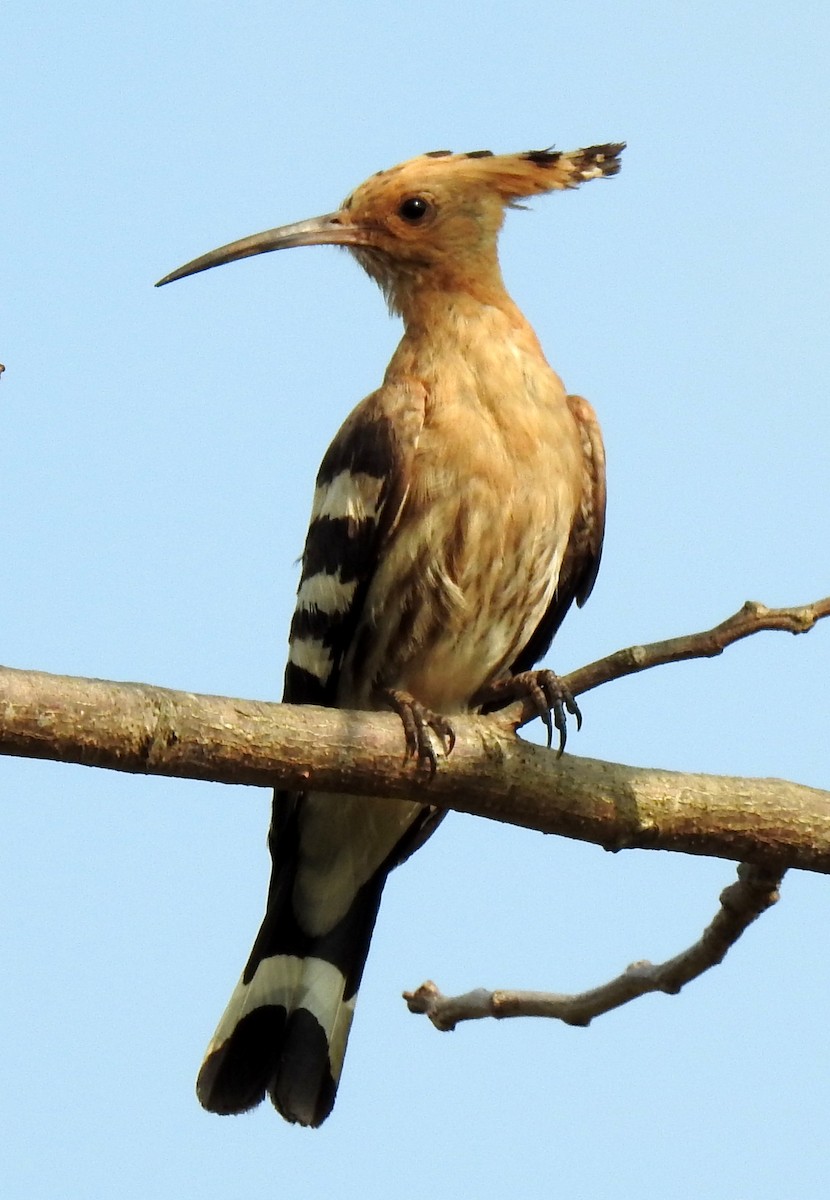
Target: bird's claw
(419, 722)
(548, 695)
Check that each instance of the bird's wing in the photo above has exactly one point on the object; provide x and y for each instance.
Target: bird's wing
(580, 563)
(361, 489)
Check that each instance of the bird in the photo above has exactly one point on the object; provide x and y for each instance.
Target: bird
(457, 515)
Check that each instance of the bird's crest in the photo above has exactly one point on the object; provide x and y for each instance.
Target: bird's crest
(512, 176)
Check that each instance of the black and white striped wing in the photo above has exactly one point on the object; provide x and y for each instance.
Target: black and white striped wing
(361, 488)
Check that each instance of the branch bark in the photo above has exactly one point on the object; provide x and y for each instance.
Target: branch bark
(143, 729)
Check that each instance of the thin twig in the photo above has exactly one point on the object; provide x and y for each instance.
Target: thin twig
(752, 618)
(740, 903)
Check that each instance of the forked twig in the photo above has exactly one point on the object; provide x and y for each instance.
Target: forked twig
(753, 617)
(755, 891)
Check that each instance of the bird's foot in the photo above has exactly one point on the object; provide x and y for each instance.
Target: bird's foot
(419, 722)
(546, 692)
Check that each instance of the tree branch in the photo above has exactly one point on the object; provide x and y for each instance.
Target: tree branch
(741, 903)
(143, 729)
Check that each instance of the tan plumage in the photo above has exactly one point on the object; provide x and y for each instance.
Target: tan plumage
(458, 514)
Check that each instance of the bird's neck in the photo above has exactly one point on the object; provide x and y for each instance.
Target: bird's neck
(421, 295)
(463, 322)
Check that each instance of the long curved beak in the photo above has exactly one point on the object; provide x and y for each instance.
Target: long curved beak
(331, 229)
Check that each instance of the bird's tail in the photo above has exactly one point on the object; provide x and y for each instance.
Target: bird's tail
(285, 1029)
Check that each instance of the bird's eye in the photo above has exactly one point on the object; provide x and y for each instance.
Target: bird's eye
(414, 209)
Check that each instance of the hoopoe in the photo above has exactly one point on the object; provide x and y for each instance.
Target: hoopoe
(457, 515)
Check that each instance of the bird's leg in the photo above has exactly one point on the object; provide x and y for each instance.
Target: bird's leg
(417, 721)
(546, 692)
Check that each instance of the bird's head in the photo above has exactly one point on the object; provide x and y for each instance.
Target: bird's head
(429, 223)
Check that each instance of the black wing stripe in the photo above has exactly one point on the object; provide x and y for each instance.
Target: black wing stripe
(301, 687)
(364, 448)
(339, 546)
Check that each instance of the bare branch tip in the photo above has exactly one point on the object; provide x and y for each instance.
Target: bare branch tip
(420, 1000)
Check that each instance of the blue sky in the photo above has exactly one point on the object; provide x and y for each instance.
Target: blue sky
(157, 457)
